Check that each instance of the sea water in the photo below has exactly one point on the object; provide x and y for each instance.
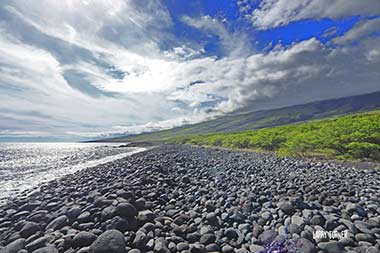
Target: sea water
(25, 165)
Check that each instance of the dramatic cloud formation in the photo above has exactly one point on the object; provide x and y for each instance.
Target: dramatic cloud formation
(272, 13)
(90, 69)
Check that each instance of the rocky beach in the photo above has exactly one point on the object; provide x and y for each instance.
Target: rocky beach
(176, 198)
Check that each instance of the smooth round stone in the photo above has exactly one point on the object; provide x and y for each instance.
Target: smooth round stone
(287, 221)
(109, 212)
(254, 248)
(74, 212)
(318, 220)
(134, 251)
(125, 194)
(211, 217)
(84, 250)
(282, 230)
(227, 249)
(47, 249)
(331, 247)
(213, 248)
(140, 240)
(257, 230)
(15, 246)
(365, 237)
(267, 236)
(84, 217)
(83, 239)
(111, 241)
(197, 248)
(287, 207)
(140, 204)
(353, 208)
(347, 241)
(193, 237)
(182, 246)
(307, 234)
(36, 244)
(266, 216)
(294, 229)
(305, 246)
(57, 223)
(207, 239)
(29, 229)
(231, 233)
(242, 250)
(296, 219)
(126, 210)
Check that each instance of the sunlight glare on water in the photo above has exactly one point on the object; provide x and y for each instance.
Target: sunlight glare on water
(25, 165)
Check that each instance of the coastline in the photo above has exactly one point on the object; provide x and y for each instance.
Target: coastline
(30, 173)
(175, 198)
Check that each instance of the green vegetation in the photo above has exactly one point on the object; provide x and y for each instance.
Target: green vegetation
(353, 137)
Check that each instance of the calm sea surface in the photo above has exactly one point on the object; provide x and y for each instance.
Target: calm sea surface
(25, 165)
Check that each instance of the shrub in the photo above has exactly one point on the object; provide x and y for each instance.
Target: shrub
(364, 150)
(349, 137)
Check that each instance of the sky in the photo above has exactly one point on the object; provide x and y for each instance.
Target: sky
(89, 69)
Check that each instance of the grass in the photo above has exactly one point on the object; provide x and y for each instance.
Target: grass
(352, 137)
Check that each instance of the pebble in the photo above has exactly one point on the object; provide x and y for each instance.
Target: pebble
(83, 239)
(176, 198)
(111, 241)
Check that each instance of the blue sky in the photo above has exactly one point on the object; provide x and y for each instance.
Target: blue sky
(74, 70)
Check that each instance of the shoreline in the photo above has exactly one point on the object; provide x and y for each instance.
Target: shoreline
(175, 198)
(23, 186)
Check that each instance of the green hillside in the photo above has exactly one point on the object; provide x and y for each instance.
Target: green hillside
(267, 118)
(352, 137)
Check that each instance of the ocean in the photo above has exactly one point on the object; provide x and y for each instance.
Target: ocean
(24, 166)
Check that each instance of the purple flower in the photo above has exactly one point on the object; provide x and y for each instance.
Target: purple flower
(279, 247)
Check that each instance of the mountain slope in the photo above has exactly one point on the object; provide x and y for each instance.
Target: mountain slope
(268, 118)
(350, 137)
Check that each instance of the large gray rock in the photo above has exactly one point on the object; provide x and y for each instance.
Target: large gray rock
(268, 236)
(365, 237)
(352, 208)
(140, 240)
(84, 217)
(287, 207)
(254, 248)
(227, 249)
(111, 241)
(47, 249)
(298, 220)
(318, 220)
(303, 245)
(36, 244)
(57, 223)
(74, 212)
(126, 210)
(109, 212)
(83, 239)
(15, 246)
(331, 247)
(30, 228)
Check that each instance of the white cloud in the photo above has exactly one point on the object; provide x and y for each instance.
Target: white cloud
(32, 81)
(163, 88)
(97, 25)
(234, 44)
(362, 29)
(273, 13)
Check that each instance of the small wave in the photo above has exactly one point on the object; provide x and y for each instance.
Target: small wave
(15, 181)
